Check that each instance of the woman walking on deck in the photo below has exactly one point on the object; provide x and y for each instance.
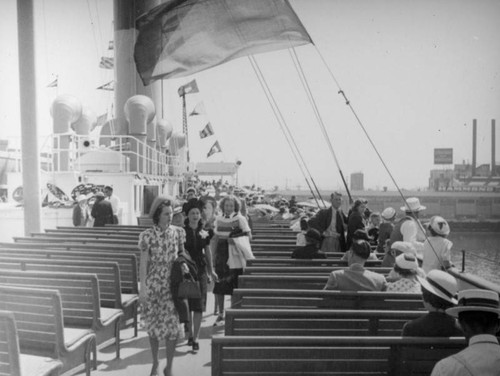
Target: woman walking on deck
(159, 247)
(198, 246)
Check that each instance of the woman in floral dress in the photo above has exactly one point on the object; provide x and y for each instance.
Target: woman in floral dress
(159, 246)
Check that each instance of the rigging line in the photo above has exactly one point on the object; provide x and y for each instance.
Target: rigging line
(98, 23)
(312, 101)
(279, 118)
(348, 103)
(93, 30)
(45, 39)
(296, 148)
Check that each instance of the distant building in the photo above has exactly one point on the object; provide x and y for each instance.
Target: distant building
(357, 181)
(442, 180)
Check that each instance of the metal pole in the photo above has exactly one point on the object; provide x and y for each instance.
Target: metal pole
(29, 129)
(463, 260)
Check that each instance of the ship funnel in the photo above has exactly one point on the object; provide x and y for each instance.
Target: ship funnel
(139, 112)
(65, 110)
(164, 130)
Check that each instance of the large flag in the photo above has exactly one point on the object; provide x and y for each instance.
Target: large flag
(53, 83)
(207, 131)
(107, 62)
(182, 37)
(199, 109)
(109, 86)
(190, 87)
(214, 149)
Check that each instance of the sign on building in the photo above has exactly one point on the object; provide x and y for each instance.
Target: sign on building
(443, 156)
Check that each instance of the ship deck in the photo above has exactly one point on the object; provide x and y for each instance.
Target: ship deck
(135, 359)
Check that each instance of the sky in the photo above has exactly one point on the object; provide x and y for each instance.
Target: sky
(416, 75)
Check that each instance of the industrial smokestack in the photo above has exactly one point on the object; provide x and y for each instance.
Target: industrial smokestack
(474, 142)
(493, 163)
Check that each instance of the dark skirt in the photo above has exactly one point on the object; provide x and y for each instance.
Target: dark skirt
(228, 278)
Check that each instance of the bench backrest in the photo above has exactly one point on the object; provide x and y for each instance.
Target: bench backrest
(39, 319)
(302, 299)
(290, 281)
(79, 293)
(287, 261)
(90, 235)
(127, 262)
(108, 273)
(321, 271)
(393, 356)
(9, 345)
(316, 322)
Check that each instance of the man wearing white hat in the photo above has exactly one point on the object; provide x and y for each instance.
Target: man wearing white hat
(81, 212)
(478, 313)
(439, 292)
(409, 228)
(384, 233)
(437, 248)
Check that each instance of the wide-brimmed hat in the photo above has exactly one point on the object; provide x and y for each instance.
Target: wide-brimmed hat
(81, 198)
(412, 205)
(476, 300)
(388, 213)
(439, 225)
(407, 262)
(441, 284)
(405, 247)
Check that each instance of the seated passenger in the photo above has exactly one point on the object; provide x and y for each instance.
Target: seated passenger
(301, 236)
(374, 227)
(356, 277)
(360, 235)
(399, 248)
(437, 249)
(311, 249)
(406, 267)
(439, 290)
(384, 233)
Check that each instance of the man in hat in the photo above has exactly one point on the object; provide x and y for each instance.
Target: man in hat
(439, 290)
(356, 277)
(388, 216)
(81, 214)
(311, 249)
(331, 224)
(102, 211)
(478, 313)
(409, 228)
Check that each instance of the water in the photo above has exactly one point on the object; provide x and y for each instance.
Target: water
(482, 257)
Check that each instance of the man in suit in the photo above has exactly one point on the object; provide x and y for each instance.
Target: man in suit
(102, 211)
(356, 277)
(331, 223)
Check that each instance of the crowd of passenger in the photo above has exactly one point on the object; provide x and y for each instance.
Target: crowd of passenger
(208, 240)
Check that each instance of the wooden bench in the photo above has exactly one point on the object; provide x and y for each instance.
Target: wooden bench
(332, 261)
(108, 274)
(127, 261)
(12, 362)
(82, 234)
(302, 299)
(39, 318)
(316, 322)
(393, 356)
(322, 271)
(80, 302)
(284, 281)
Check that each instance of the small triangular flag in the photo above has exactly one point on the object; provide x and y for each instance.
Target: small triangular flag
(199, 109)
(207, 131)
(53, 83)
(214, 149)
(190, 87)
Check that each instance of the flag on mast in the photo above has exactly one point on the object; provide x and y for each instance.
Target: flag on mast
(179, 38)
(214, 149)
(199, 109)
(207, 131)
(189, 88)
(54, 83)
(107, 62)
(109, 86)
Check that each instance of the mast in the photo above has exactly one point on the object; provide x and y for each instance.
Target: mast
(29, 128)
(185, 126)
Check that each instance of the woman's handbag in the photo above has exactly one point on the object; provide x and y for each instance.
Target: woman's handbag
(189, 289)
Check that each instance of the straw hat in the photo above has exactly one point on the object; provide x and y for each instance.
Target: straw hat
(407, 262)
(413, 205)
(388, 213)
(405, 247)
(439, 225)
(476, 300)
(441, 284)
